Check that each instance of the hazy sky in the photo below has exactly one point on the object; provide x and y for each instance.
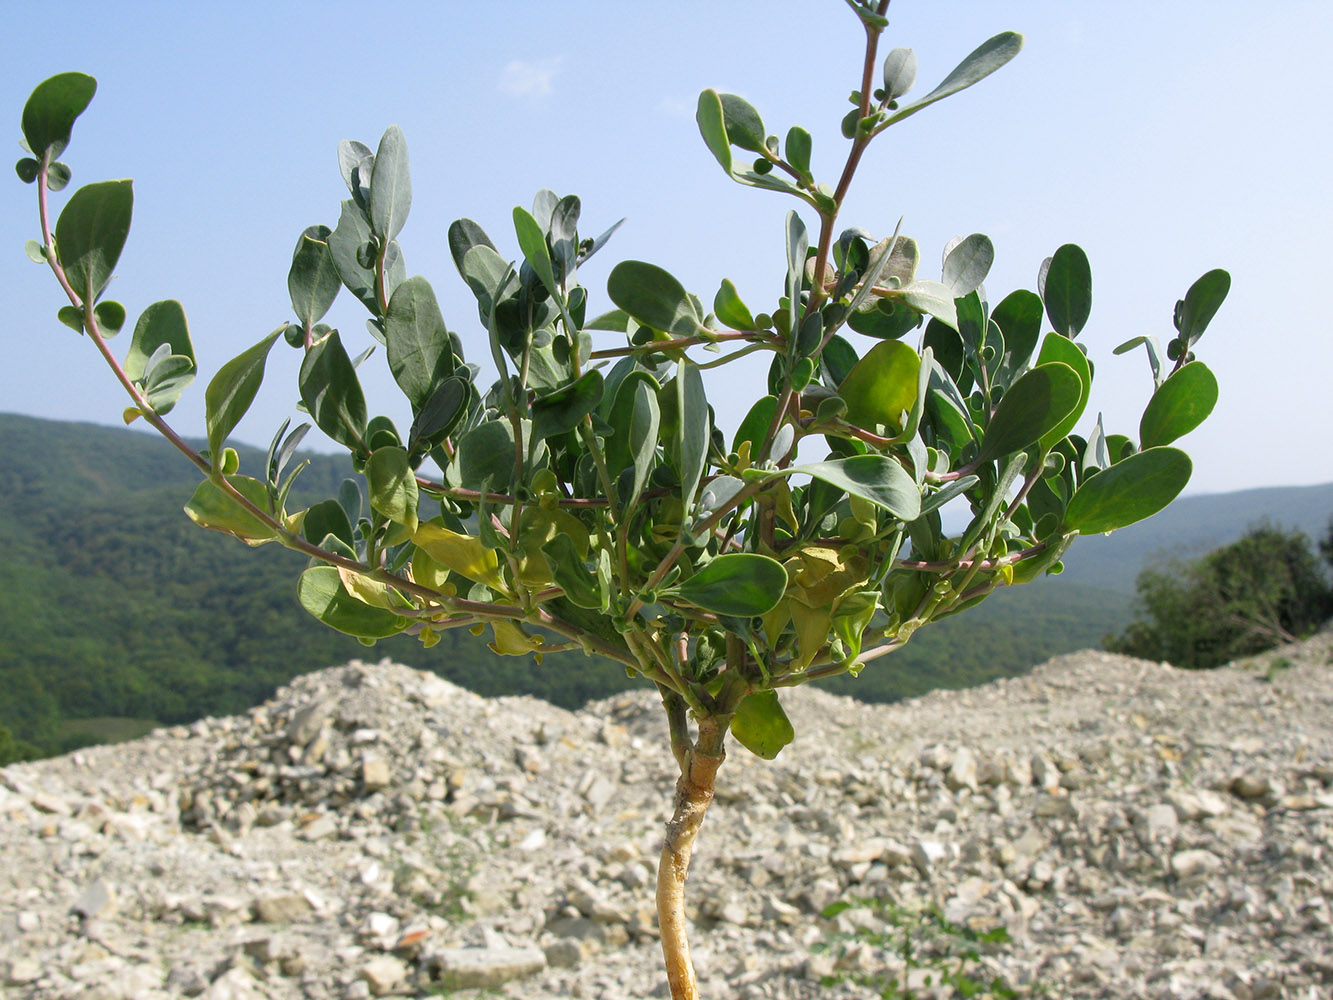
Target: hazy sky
(1165, 138)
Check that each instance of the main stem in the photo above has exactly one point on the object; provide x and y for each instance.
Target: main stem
(694, 791)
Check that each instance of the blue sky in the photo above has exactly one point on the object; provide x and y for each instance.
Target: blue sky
(1166, 138)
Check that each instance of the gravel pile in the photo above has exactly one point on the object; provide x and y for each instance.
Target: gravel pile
(1103, 827)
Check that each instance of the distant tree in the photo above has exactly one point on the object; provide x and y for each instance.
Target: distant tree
(1326, 544)
(1265, 589)
(12, 749)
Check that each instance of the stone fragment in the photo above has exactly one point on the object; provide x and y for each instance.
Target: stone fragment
(98, 901)
(51, 804)
(22, 971)
(485, 968)
(1251, 786)
(1160, 821)
(306, 723)
(1187, 864)
(282, 909)
(383, 974)
(375, 773)
(962, 770)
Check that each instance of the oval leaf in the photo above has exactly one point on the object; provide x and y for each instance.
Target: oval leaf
(390, 185)
(49, 114)
(91, 233)
(1200, 304)
(393, 486)
(1181, 403)
(652, 296)
(416, 341)
(1036, 404)
(967, 263)
(321, 592)
(1068, 290)
(738, 584)
(761, 726)
(1058, 348)
(744, 126)
(312, 281)
(1132, 489)
(881, 387)
(231, 392)
(880, 480)
(462, 554)
(216, 510)
(332, 393)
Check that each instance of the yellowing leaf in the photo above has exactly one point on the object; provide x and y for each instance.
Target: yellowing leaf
(463, 554)
(510, 640)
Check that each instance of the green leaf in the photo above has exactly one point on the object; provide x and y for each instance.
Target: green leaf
(1179, 405)
(91, 233)
(332, 393)
(1134, 488)
(1057, 348)
(417, 341)
(981, 63)
(1019, 318)
(712, 126)
(441, 413)
(231, 392)
(210, 507)
(1067, 290)
(49, 114)
(312, 281)
(645, 421)
(110, 317)
(561, 410)
(761, 726)
(486, 455)
(390, 185)
(570, 573)
(532, 241)
(1196, 310)
(882, 386)
(161, 323)
(28, 169)
(756, 424)
(162, 326)
(653, 297)
(345, 243)
(797, 149)
(932, 298)
(321, 592)
(966, 264)
(899, 72)
(72, 317)
(738, 584)
(393, 486)
(327, 518)
(876, 478)
(1035, 405)
(729, 308)
(57, 176)
(618, 410)
(744, 126)
(694, 430)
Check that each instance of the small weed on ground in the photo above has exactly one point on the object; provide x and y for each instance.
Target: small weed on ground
(920, 949)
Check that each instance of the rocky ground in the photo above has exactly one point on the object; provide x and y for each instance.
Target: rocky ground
(1104, 827)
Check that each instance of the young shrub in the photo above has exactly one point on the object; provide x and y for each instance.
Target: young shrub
(585, 500)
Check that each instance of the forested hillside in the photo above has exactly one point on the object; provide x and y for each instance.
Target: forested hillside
(117, 608)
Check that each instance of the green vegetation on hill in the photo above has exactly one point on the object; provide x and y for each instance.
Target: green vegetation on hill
(180, 623)
(1256, 593)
